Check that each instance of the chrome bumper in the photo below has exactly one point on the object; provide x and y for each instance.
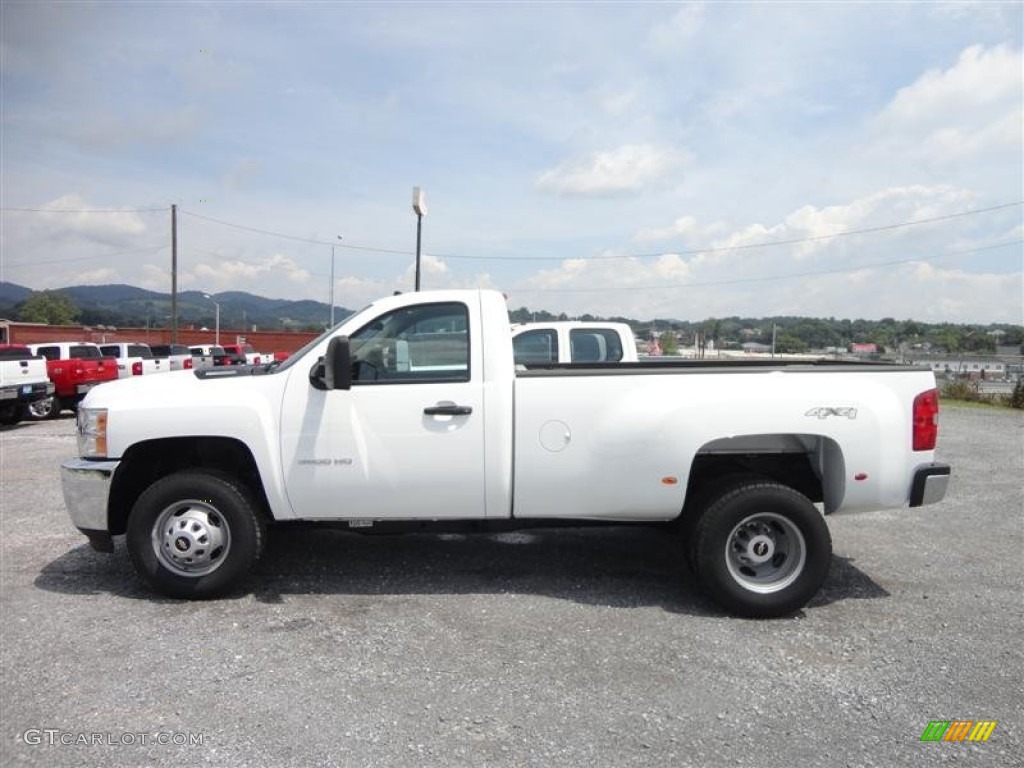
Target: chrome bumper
(86, 486)
(929, 485)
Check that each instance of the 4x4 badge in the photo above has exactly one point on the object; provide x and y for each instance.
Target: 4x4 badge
(823, 412)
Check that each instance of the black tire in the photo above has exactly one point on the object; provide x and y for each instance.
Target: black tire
(700, 500)
(11, 414)
(761, 550)
(41, 410)
(195, 534)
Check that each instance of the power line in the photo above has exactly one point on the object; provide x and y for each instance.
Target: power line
(85, 258)
(767, 278)
(695, 252)
(86, 210)
(749, 246)
(296, 238)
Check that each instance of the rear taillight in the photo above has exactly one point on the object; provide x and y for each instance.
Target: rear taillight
(137, 369)
(187, 364)
(926, 420)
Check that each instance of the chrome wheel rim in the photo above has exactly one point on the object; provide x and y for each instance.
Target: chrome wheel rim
(191, 538)
(765, 552)
(41, 408)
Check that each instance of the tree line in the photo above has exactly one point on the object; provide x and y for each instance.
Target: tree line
(792, 334)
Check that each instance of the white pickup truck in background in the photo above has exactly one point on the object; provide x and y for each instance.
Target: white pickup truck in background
(570, 341)
(178, 356)
(135, 359)
(23, 380)
(413, 410)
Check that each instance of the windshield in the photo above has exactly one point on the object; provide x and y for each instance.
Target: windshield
(310, 345)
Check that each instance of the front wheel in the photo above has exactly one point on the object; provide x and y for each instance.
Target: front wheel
(762, 550)
(195, 534)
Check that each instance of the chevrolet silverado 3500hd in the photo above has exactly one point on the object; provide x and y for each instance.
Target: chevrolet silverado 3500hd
(414, 410)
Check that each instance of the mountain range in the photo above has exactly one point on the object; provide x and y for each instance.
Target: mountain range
(129, 306)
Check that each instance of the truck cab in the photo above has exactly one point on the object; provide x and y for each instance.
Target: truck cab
(135, 359)
(573, 342)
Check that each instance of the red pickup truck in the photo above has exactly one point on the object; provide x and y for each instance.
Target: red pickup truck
(242, 354)
(74, 367)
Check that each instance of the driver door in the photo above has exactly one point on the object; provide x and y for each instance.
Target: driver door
(407, 440)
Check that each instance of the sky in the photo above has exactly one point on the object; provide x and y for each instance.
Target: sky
(669, 160)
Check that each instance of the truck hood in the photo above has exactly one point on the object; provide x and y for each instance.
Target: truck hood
(181, 404)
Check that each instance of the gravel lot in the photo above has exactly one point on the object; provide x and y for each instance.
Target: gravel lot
(555, 648)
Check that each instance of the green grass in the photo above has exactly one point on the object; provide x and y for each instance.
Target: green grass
(984, 405)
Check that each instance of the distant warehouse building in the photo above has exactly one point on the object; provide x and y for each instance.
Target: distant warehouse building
(975, 368)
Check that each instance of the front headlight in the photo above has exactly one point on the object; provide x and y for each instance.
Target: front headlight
(92, 433)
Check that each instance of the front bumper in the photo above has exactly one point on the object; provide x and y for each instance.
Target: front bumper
(929, 484)
(86, 486)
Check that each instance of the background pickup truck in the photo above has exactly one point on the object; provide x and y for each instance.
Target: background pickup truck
(74, 367)
(413, 410)
(178, 356)
(573, 342)
(214, 356)
(134, 359)
(23, 381)
(252, 357)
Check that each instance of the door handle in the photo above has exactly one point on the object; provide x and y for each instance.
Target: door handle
(447, 409)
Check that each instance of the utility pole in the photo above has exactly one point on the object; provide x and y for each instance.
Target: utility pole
(174, 274)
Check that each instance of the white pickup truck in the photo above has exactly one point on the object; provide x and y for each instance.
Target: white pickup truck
(413, 410)
(573, 342)
(135, 359)
(23, 380)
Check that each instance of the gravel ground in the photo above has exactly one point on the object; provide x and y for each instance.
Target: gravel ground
(582, 647)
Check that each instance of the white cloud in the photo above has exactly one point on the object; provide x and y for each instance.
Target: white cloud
(895, 205)
(736, 279)
(982, 81)
(628, 169)
(686, 227)
(242, 275)
(83, 221)
(970, 111)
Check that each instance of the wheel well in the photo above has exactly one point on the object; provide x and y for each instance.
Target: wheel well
(794, 470)
(146, 462)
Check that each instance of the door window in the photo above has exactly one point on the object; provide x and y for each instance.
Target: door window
(428, 342)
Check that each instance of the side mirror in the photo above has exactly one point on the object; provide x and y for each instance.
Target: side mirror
(338, 364)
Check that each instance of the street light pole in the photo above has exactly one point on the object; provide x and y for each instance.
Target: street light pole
(332, 283)
(216, 304)
(419, 205)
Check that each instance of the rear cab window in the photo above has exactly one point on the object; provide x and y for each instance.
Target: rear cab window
(536, 347)
(595, 345)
